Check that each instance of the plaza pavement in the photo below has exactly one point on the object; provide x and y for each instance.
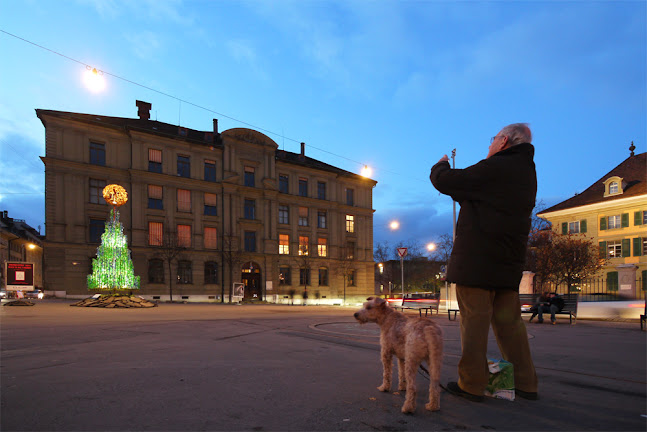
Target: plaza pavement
(204, 367)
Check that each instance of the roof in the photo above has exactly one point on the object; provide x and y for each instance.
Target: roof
(632, 170)
(298, 159)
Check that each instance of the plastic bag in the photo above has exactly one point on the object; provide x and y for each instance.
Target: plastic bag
(501, 382)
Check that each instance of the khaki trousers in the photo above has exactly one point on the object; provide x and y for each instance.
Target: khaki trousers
(479, 309)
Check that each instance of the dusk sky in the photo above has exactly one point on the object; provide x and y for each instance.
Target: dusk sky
(391, 85)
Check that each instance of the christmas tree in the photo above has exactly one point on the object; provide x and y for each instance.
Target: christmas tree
(113, 269)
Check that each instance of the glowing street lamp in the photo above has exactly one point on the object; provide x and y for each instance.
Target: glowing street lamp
(93, 80)
(431, 247)
(394, 225)
(366, 171)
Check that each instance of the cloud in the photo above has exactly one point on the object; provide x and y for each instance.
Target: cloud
(245, 54)
(145, 44)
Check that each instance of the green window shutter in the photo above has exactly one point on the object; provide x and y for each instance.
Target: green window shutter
(564, 228)
(583, 226)
(612, 281)
(625, 220)
(644, 283)
(626, 248)
(638, 246)
(638, 218)
(603, 249)
(603, 224)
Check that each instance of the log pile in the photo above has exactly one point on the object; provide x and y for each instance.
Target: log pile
(115, 301)
(19, 303)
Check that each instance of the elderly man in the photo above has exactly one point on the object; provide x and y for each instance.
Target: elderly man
(496, 196)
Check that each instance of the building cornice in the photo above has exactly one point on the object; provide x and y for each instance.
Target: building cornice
(603, 205)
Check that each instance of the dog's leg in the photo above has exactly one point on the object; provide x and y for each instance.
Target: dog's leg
(387, 367)
(402, 379)
(411, 368)
(434, 362)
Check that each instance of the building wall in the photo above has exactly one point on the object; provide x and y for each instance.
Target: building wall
(68, 175)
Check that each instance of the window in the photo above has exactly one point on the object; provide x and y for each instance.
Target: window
(321, 219)
(640, 218)
(283, 183)
(284, 214)
(352, 277)
(303, 245)
(210, 204)
(612, 281)
(614, 249)
(613, 188)
(350, 250)
(322, 247)
(573, 227)
(644, 218)
(250, 209)
(323, 276)
(184, 236)
(614, 222)
(303, 216)
(210, 238)
(96, 191)
(321, 190)
(249, 176)
(155, 271)
(184, 272)
(284, 244)
(97, 153)
(97, 227)
(350, 197)
(155, 161)
(350, 223)
(155, 233)
(210, 170)
(155, 197)
(250, 241)
(303, 187)
(210, 272)
(304, 276)
(184, 166)
(644, 246)
(184, 200)
(285, 278)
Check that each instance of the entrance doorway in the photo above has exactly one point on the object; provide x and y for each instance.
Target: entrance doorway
(251, 278)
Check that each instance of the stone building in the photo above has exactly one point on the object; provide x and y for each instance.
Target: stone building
(19, 242)
(242, 211)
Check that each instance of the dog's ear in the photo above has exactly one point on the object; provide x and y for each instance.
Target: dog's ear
(370, 298)
(380, 301)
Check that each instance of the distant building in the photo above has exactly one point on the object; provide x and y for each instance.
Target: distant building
(19, 242)
(420, 274)
(613, 212)
(279, 220)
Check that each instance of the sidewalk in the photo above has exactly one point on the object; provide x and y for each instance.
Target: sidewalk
(221, 367)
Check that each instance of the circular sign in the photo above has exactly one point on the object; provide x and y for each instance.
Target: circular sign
(115, 195)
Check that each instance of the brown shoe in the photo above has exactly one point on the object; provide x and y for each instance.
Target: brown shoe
(454, 389)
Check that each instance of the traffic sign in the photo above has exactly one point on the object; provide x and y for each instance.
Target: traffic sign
(402, 252)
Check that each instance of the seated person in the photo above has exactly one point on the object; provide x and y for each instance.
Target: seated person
(555, 304)
(542, 300)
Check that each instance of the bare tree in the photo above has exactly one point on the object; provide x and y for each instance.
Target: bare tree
(232, 256)
(345, 265)
(444, 247)
(169, 251)
(305, 263)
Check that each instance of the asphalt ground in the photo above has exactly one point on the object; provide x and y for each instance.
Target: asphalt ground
(204, 367)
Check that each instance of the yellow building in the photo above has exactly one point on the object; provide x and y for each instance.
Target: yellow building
(244, 211)
(613, 212)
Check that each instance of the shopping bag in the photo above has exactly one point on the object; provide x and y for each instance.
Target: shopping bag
(501, 382)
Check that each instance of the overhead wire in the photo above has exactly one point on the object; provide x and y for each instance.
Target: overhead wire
(180, 100)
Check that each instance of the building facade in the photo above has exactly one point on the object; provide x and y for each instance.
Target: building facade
(19, 242)
(240, 210)
(613, 213)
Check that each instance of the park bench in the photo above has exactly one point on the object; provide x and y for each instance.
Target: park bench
(570, 304)
(419, 301)
(643, 317)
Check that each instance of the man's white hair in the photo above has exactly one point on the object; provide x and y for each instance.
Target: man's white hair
(517, 133)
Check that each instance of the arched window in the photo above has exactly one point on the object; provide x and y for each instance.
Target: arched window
(613, 188)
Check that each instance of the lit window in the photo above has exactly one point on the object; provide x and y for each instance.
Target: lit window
(322, 247)
(210, 238)
(184, 200)
(155, 233)
(614, 249)
(350, 223)
(303, 245)
(284, 244)
(184, 235)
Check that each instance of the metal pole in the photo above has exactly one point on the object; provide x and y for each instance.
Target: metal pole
(454, 202)
(402, 268)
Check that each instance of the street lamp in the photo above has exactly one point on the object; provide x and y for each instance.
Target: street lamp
(94, 80)
(394, 225)
(431, 247)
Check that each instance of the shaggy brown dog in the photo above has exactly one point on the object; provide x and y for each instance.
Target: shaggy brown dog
(412, 341)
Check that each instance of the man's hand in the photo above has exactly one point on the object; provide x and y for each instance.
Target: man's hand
(444, 159)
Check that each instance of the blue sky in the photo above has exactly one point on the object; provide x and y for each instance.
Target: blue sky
(393, 85)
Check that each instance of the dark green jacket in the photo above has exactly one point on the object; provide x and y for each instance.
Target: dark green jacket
(496, 196)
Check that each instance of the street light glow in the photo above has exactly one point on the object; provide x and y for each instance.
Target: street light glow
(394, 225)
(93, 80)
(366, 171)
(431, 247)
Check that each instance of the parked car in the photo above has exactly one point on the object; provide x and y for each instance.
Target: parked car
(7, 294)
(35, 294)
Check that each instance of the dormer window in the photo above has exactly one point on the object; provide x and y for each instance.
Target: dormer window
(613, 186)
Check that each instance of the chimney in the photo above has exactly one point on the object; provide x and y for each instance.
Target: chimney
(143, 110)
(215, 127)
(303, 151)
